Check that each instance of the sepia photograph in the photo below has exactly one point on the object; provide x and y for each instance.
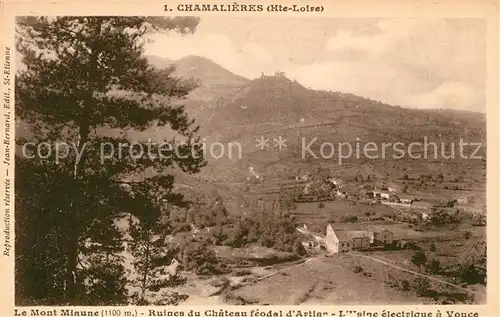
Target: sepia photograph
(209, 159)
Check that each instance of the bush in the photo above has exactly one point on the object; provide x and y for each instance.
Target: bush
(418, 258)
(299, 249)
(470, 274)
(441, 217)
(432, 247)
(321, 205)
(404, 285)
(434, 266)
(358, 269)
(242, 273)
(222, 283)
(421, 286)
(412, 246)
(349, 219)
(272, 230)
(200, 258)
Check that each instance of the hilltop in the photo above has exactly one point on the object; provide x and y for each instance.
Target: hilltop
(214, 81)
(272, 106)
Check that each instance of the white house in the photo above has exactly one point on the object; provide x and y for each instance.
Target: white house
(461, 200)
(381, 194)
(337, 241)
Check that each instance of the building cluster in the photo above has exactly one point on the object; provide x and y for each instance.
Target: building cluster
(390, 196)
(341, 241)
(335, 187)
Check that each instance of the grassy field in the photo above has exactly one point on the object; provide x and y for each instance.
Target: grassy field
(392, 276)
(322, 281)
(319, 215)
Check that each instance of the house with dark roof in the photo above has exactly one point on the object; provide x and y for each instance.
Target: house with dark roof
(360, 239)
(381, 236)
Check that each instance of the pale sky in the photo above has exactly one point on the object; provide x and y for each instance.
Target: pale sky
(418, 63)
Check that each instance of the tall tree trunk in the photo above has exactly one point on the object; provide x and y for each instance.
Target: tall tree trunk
(145, 273)
(73, 230)
(71, 277)
(73, 249)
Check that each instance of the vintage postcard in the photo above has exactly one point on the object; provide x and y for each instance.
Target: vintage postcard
(253, 159)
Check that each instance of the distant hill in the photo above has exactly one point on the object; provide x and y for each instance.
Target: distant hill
(207, 71)
(273, 103)
(214, 81)
(159, 62)
(273, 106)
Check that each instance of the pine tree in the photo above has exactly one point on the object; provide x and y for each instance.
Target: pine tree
(85, 79)
(151, 255)
(104, 271)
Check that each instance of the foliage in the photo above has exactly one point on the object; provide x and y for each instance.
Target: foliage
(85, 77)
(418, 258)
(434, 266)
(278, 231)
(201, 258)
(167, 298)
(287, 203)
(150, 255)
(106, 281)
(299, 249)
(451, 203)
(351, 219)
(421, 286)
(207, 212)
(479, 253)
(272, 230)
(405, 285)
(479, 220)
(441, 217)
(219, 235)
(104, 273)
(470, 273)
(242, 273)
